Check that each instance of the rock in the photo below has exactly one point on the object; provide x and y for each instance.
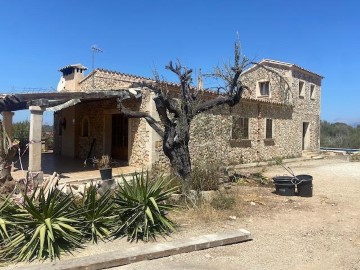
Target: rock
(232, 217)
(193, 195)
(176, 197)
(207, 196)
(252, 203)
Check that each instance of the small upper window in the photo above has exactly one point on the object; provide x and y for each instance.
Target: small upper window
(269, 129)
(85, 127)
(240, 128)
(264, 88)
(301, 89)
(312, 91)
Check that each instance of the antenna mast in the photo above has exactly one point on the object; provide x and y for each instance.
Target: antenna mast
(94, 50)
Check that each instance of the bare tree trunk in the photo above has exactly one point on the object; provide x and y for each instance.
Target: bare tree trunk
(7, 154)
(177, 150)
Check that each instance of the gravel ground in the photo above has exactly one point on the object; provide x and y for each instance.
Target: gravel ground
(322, 232)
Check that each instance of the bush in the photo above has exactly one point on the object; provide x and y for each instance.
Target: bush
(278, 160)
(223, 201)
(205, 176)
(21, 132)
(141, 207)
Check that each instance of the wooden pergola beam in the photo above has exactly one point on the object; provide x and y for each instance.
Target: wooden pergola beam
(16, 102)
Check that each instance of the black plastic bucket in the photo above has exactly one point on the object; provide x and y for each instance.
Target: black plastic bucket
(284, 185)
(106, 174)
(305, 186)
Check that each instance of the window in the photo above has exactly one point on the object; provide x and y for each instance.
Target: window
(269, 129)
(85, 127)
(301, 89)
(312, 91)
(240, 128)
(264, 88)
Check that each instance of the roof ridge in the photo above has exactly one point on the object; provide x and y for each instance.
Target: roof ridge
(122, 73)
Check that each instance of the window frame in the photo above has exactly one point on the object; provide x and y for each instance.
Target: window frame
(312, 91)
(259, 87)
(241, 124)
(301, 89)
(269, 128)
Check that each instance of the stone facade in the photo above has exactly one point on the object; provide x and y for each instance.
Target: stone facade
(291, 105)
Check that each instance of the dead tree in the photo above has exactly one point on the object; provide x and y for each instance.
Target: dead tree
(8, 151)
(177, 113)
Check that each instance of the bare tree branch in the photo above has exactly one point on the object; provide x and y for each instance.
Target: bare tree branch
(133, 114)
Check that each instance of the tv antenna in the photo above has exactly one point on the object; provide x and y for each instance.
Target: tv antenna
(94, 50)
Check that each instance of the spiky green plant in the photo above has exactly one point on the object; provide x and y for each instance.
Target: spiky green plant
(98, 214)
(142, 207)
(45, 228)
(7, 211)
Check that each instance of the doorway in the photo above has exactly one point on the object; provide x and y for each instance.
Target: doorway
(306, 136)
(120, 137)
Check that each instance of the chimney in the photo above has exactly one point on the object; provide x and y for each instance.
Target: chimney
(71, 76)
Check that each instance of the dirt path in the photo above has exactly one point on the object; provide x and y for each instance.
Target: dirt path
(322, 232)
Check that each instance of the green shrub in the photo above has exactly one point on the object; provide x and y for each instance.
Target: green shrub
(278, 160)
(223, 201)
(141, 207)
(44, 228)
(97, 213)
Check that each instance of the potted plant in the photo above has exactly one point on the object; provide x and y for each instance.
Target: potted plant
(104, 166)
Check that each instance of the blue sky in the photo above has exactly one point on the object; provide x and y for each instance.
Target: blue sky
(39, 37)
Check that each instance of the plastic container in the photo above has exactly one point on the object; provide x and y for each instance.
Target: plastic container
(304, 185)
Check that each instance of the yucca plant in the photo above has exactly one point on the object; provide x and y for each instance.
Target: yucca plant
(46, 228)
(7, 211)
(141, 207)
(98, 214)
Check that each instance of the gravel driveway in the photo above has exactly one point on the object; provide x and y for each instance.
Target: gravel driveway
(322, 232)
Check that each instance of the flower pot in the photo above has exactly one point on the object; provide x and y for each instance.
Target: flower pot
(106, 174)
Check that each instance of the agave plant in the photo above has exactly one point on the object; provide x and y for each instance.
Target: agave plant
(98, 214)
(142, 208)
(7, 210)
(46, 227)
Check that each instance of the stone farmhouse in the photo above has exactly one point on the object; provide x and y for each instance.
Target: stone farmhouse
(278, 117)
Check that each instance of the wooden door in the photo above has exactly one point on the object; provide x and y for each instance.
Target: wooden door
(120, 137)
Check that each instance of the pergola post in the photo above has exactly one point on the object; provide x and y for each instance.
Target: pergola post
(36, 120)
(7, 121)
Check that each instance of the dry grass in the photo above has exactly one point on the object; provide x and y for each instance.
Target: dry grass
(245, 201)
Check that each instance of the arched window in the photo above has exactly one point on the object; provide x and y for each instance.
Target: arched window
(85, 127)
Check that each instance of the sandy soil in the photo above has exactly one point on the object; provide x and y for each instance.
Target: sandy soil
(321, 232)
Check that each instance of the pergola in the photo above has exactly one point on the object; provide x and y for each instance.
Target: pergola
(37, 103)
